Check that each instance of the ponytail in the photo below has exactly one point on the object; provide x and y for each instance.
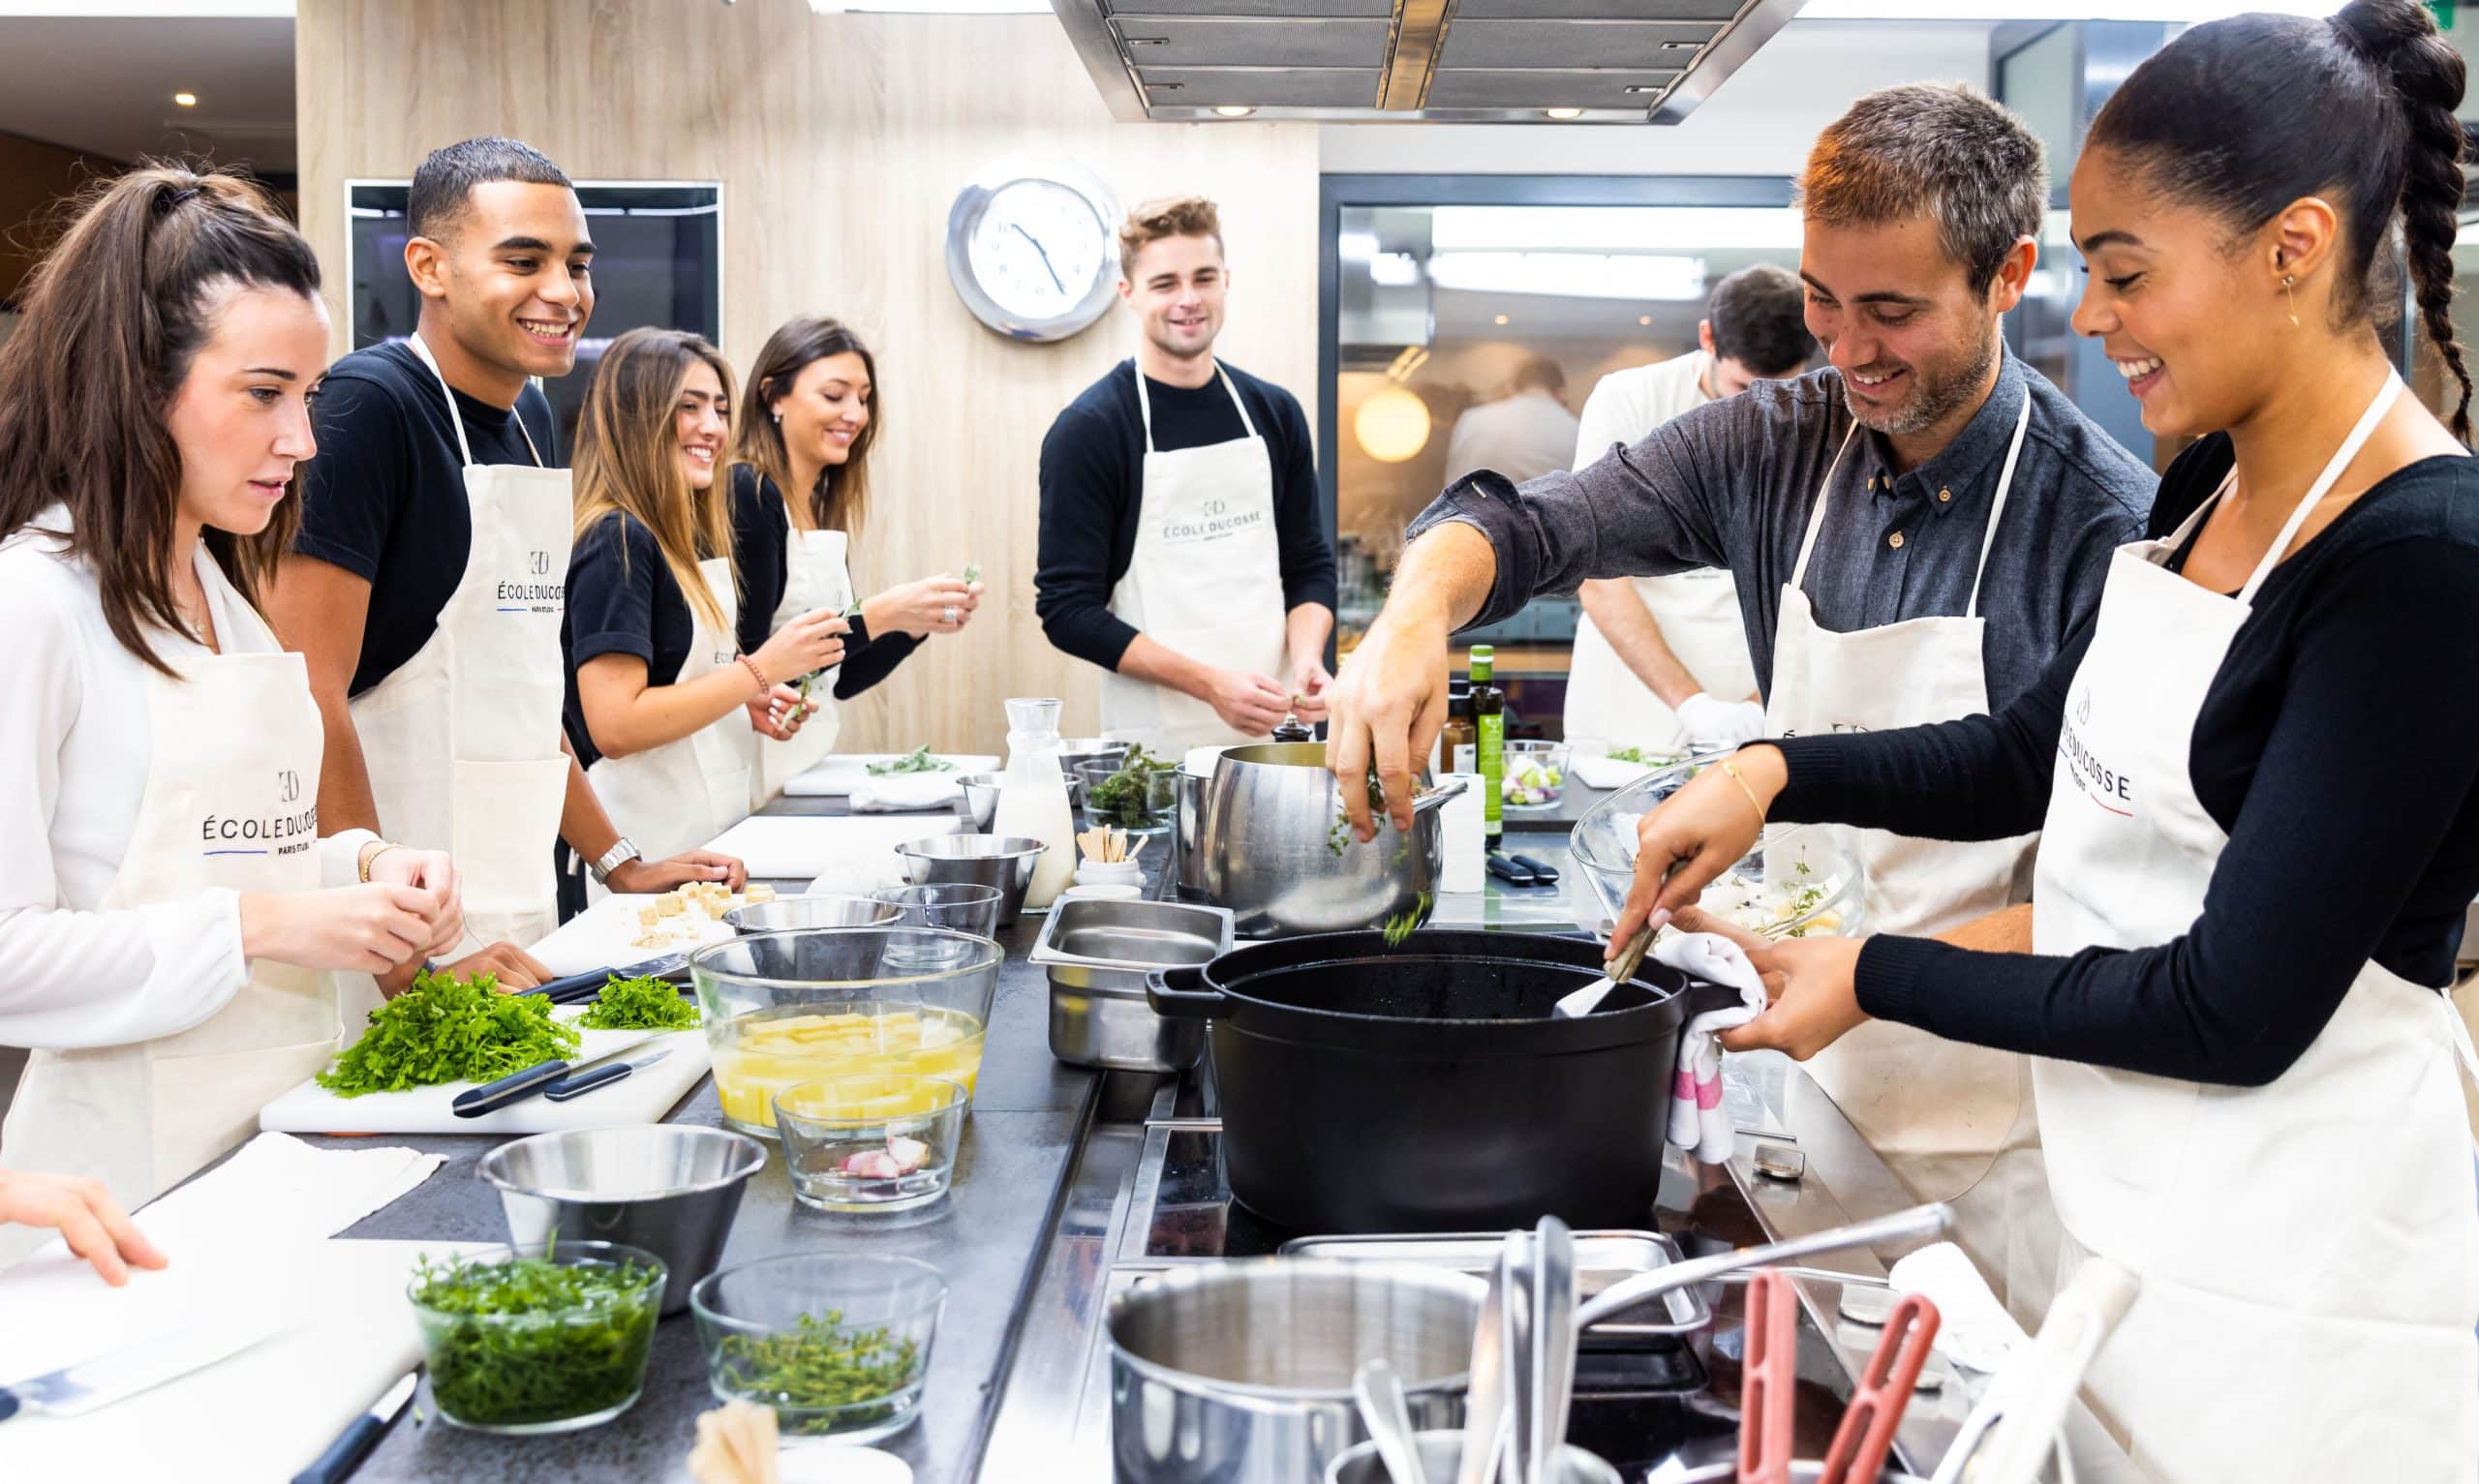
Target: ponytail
(2214, 120)
(2399, 39)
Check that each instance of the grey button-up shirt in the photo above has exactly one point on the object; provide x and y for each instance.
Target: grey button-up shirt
(1731, 484)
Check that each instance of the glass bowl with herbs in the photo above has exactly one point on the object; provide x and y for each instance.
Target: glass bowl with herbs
(1135, 794)
(544, 1337)
(837, 1344)
(1800, 880)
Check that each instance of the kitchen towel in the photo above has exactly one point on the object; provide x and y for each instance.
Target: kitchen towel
(1698, 1121)
(906, 792)
(1977, 1333)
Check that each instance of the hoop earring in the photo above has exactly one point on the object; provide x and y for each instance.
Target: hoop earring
(2287, 284)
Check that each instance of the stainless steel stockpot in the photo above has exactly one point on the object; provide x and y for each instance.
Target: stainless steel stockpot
(1270, 848)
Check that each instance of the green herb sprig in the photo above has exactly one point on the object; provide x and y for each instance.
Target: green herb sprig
(1125, 797)
(1338, 834)
(819, 1366)
(918, 760)
(639, 1005)
(448, 1028)
(533, 1340)
(1402, 924)
(972, 573)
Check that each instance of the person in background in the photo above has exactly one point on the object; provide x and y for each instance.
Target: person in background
(1661, 663)
(658, 685)
(426, 585)
(1183, 546)
(1915, 531)
(2259, 772)
(812, 420)
(172, 903)
(1522, 435)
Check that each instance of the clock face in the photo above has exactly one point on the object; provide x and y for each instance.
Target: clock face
(1038, 248)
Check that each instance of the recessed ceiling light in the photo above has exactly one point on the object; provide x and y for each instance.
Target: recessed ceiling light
(1563, 113)
(185, 100)
(1235, 110)
(1643, 318)
(1502, 319)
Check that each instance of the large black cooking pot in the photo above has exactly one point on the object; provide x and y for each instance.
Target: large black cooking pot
(1427, 1088)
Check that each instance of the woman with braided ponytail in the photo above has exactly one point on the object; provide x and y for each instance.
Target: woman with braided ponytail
(2257, 774)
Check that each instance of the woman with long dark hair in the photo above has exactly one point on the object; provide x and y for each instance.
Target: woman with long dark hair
(657, 680)
(800, 498)
(2257, 775)
(170, 920)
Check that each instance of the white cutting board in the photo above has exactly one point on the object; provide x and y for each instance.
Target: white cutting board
(787, 846)
(833, 778)
(604, 937)
(261, 1414)
(643, 1096)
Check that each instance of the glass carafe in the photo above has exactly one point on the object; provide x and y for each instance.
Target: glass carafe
(1032, 797)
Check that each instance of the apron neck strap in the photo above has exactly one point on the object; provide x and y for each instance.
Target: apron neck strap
(2324, 482)
(1997, 506)
(456, 418)
(1145, 402)
(1816, 516)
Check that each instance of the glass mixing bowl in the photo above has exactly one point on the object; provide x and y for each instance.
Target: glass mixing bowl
(1800, 879)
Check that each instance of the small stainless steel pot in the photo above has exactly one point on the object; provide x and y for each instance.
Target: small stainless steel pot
(1098, 954)
(1240, 1373)
(1270, 850)
(671, 1189)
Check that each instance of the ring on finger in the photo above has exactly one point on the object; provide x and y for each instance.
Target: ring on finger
(948, 615)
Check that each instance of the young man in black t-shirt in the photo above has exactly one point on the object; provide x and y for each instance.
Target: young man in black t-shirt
(1183, 548)
(425, 635)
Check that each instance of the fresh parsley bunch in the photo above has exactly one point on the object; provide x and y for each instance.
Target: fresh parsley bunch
(447, 1028)
(639, 1005)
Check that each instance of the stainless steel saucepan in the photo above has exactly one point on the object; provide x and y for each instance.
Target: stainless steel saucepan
(1272, 848)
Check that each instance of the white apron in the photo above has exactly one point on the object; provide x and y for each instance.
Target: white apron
(679, 796)
(2308, 1250)
(1947, 1118)
(230, 801)
(1698, 614)
(815, 576)
(1205, 580)
(463, 739)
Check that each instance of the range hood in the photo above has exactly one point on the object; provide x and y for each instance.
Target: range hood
(1455, 61)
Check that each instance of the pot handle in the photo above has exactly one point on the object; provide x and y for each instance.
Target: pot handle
(1181, 993)
(1452, 788)
(1702, 997)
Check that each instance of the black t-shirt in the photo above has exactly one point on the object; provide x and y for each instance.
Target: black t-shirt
(622, 600)
(2337, 746)
(384, 498)
(761, 543)
(1092, 479)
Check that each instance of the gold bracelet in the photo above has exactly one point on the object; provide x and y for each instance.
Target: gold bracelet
(1731, 768)
(371, 852)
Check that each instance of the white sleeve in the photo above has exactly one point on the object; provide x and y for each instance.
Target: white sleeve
(340, 856)
(84, 979)
(1604, 421)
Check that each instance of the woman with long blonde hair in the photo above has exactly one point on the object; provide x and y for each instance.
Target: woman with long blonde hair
(800, 494)
(659, 696)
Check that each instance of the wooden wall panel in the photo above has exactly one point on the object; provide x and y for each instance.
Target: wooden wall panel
(840, 142)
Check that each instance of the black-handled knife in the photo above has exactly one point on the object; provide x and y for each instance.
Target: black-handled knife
(587, 984)
(576, 1082)
(355, 1442)
(1507, 871)
(517, 1086)
(1542, 872)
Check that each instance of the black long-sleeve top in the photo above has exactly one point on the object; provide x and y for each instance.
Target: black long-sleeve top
(761, 546)
(2337, 746)
(1092, 479)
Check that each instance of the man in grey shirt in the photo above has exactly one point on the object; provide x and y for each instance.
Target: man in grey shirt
(1914, 530)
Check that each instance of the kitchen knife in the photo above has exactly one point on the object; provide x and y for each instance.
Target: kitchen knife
(589, 984)
(1542, 872)
(1507, 871)
(517, 1086)
(355, 1442)
(576, 1082)
(131, 1368)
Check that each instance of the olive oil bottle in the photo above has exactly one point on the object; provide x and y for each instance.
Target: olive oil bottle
(1489, 741)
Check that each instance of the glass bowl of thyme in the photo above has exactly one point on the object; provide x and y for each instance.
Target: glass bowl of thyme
(1133, 794)
(836, 1343)
(537, 1337)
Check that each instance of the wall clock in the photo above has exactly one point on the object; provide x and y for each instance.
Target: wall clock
(1033, 247)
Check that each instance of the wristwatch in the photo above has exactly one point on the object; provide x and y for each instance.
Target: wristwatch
(623, 851)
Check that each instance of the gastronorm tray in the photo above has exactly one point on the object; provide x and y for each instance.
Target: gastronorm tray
(1602, 1258)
